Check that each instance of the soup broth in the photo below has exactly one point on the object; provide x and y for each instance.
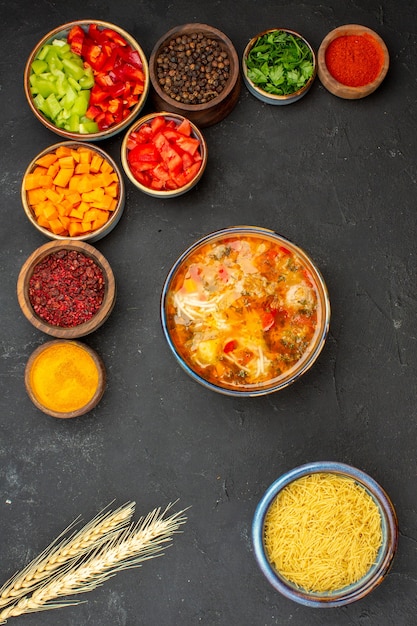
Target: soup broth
(243, 311)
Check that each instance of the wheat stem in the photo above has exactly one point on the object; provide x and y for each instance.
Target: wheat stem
(99, 529)
(128, 548)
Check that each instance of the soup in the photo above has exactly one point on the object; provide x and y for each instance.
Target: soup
(243, 311)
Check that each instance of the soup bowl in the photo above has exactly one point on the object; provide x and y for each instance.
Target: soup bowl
(362, 505)
(245, 311)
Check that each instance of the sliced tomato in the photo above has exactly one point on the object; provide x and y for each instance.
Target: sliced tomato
(172, 158)
(185, 128)
(187, 175)
(189, 144)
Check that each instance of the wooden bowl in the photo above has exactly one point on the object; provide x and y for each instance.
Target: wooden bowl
(334, 86)
(165, 192)
(81, 329)
(44, 399)
(94, 234)
(270, 98)
(61, 32)
(213, 111)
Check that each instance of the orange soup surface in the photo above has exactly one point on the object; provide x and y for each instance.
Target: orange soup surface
(242, 311)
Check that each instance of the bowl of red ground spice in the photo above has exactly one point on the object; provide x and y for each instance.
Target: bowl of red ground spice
(194, 71)
(353, 61)
(66, 289)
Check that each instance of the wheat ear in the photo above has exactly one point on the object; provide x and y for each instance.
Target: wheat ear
(139, 542)
(57, 554)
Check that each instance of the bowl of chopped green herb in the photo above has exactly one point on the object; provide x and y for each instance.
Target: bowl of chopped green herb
(279, 66)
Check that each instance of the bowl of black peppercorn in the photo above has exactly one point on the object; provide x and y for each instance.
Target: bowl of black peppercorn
(194, 71)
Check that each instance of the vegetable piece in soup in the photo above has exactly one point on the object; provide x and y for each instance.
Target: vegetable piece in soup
(242, 311)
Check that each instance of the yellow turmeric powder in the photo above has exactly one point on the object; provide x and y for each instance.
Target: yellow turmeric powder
(64, 377)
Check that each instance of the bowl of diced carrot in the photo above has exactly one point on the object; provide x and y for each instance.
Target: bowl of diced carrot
(73, 190)
(86, 80)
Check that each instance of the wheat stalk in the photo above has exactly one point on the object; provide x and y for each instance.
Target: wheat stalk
(100, 528)
(128, 548)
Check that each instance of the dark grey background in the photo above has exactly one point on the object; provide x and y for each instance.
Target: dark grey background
(337, 177)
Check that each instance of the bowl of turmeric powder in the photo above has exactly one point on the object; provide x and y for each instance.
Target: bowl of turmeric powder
(325, 534)
(66, 289)
(65, 378)
(73, 190)
(353, 61)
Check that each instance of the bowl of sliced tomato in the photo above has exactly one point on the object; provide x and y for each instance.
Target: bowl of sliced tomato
(86, 80)
(164, 154)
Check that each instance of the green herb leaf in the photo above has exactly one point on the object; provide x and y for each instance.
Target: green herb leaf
(280, 63)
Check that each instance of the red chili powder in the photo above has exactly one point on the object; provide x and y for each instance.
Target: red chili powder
(354, 60)
(66, 288)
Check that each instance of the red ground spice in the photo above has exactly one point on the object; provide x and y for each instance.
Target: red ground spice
(354, 60)
(66, 288)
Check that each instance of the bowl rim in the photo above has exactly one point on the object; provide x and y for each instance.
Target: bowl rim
(276, 97)
(91, 404)
(215, 33)
(156, 192)
(113, 218)
(72, 332)
(334, 86)
(99, 135)
(308, 358)
(376, 573)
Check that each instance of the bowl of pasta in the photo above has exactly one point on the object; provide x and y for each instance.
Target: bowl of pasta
(325, 534)
(244, 311)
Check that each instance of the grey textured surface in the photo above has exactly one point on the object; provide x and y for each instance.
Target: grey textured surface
(339, 179)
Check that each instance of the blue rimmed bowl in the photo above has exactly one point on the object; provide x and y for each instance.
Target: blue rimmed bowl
(377, 572)
(211, 352)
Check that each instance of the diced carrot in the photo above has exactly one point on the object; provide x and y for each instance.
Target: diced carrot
(42, 221)
(75, 229)
(50, 212)
(77, 213)
(56, 226)
(36, 195)
(63, 151)
(96, 163)
(67, 162)
(47, 159)
(72, 191)
(112, 190)
(82, 168)
(63, 177)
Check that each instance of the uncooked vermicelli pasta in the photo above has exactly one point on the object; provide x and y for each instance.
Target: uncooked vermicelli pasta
(323, 532)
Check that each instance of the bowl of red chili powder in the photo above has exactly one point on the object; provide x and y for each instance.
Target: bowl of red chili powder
(66, 289)
(353, 61)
